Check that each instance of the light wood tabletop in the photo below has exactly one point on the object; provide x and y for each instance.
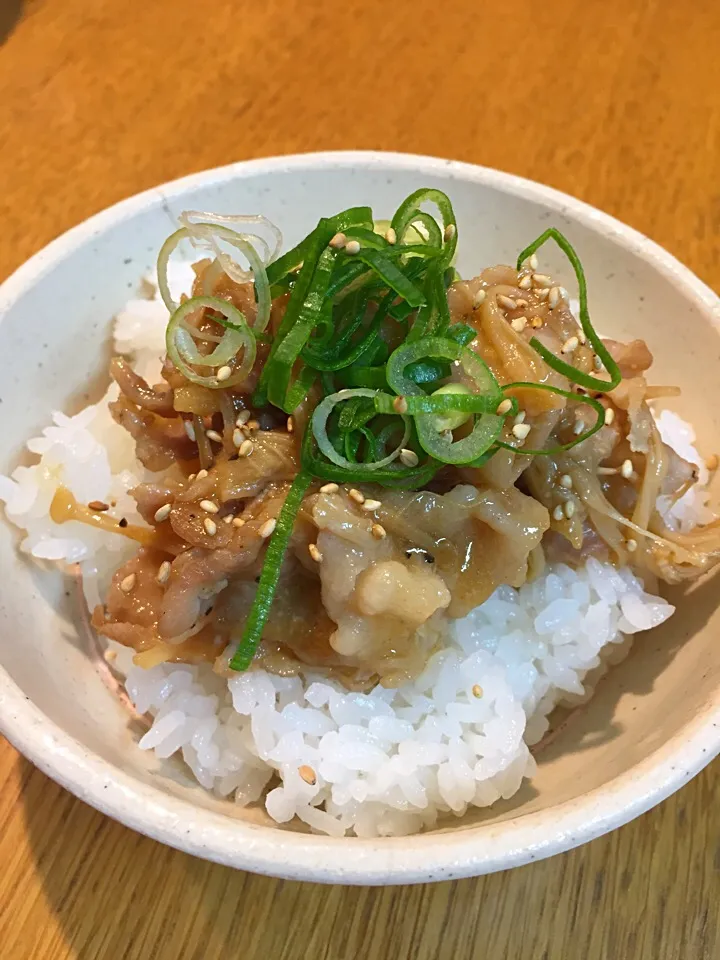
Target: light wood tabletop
(615, 102)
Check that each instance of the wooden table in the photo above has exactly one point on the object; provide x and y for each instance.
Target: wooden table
(615, 102)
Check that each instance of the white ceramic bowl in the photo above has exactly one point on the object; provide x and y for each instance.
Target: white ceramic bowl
(654, 721)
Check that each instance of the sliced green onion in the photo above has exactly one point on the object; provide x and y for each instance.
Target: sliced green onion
(270, 574)
(560, 366)
(319, 428)
(182, 348)
(455, 417)
(409, 211)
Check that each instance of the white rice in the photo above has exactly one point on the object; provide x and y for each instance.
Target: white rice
(389, 762)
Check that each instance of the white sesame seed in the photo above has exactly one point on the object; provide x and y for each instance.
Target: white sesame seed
(338, 241)
(400, 405)
(378, 531)
(191, 477)
(542, 281)
(201, 474)
(521, 430)
(307, 774)
(210, 527)
(449, 232)
(356, 495)
(163, 573)
(189, 429)
(558, 513)
(521, 303)
(246, 448)
(626, 470)
(536, 323)
(162, 513)
(127, 583)
(507, 303)
(110, 655)
(542, 294)
(609, 415)
(569, 509)
(525, 282)
(224, 373)
(518, 324)
(242, 418)
(477, 690)
(563, 294)
(213, 435)
(314, 552)
(329, 488)
(566, 481)
(533, 262)
(578, 428)
(238, 437)
(267, 528)
(352, 247)
(390, 235)
(371, 505)
(631, 545)
(581, 336)
(479, 299)
(409, 458)
(208, 506)
(520, 417)
(505, 406)
(553, 297)
(597, 362)
(570, 345)
(238, 522)
(290, 425)
(711, 462)
(607, 471)
(228, 519)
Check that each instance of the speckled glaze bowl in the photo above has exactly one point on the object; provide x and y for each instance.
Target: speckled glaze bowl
(654, 721)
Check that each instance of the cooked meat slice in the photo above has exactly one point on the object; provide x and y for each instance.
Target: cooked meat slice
(158, 399)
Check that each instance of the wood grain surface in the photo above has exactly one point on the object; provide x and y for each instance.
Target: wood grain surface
(614, 101)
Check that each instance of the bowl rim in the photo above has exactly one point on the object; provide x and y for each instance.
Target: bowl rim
(467, 851)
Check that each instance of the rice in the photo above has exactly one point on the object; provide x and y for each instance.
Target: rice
(387, 762)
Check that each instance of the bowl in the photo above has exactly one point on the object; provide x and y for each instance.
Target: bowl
(655, 719)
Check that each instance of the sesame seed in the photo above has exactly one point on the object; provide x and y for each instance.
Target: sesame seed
(533, 262)
(449, 232)
(338, 241)
(711, 462)
(631, 545)
(191, 477)
(252, 425)
(371, 505)
(536, 323)
(581, 336)
(626, 470)
(210, 527)
(479, 299)
(409, 458)
(329, 488)
(356, 495)
(518, 324)
(189, 429)
(97, 506)
(390, 235)
(558, 513)
(507, 303)
(209, 506)
(542, 294)
(162, 513)
(566, 481)
(400, 405)
(521, 303)
(609, 415)
(597, 362)
(525, 282)
(314, 552)
(542, 281)
(569, 509)
(110, 655)
(307, 774)
(163, 573)
(127, 583)
(378, 531)
(553, 297)
(290, 424)
(246, 448)
(570, 345)
(579, 427)
(505, 406)
(238, 522)
(213, 435)
(242, 418)
(352, 247)
(228, 519)
(607, 471)
(477, 690)
(201, 474)
(520, 417)
(521, 430)
(267, 528)
(238, 437)
(224, 373)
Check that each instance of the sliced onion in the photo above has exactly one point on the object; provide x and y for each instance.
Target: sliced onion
(319, 426)
(182, 348)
